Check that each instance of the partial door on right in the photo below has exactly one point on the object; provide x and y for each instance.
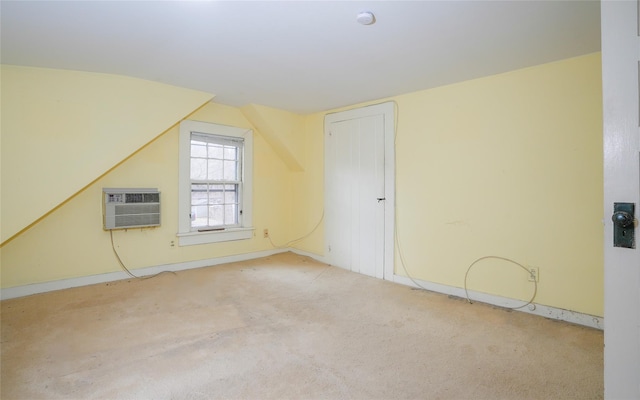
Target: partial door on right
(620, 78)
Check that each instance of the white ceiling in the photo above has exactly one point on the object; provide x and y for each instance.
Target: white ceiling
(302, 56)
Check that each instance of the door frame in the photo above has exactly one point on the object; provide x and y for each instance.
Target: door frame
(387, 110)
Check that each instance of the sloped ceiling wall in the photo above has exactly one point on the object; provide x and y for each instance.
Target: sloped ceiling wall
(61, 130)
(283, 130)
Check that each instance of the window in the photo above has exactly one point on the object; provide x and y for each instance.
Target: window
(215, 183)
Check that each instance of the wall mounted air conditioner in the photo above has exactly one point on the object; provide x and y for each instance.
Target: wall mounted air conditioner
(130, 208)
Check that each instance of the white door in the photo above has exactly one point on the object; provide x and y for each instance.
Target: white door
(620, 71)
(359, 190)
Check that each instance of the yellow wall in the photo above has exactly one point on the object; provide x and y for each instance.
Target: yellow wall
(62, 129)
(308, 190)
(283, 130)
(70, 242)
(508, 165)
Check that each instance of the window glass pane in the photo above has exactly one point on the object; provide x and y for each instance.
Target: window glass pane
(198, 194)
(216, 194)
(199, 216)
(230, 153)
(230, 170)
(215, 170)
(198, 168)
(198, 149)
(192, 214)
(230, 215)
(216, 215)
(231, 197)
(215, 151)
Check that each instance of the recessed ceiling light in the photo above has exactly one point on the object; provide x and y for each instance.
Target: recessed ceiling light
(366, 18)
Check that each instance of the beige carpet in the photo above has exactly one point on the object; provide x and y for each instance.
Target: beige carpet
(286, 327)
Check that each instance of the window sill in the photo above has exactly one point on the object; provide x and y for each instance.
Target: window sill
(193, 238)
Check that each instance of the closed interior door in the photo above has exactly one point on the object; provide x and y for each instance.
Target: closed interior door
(355, 192)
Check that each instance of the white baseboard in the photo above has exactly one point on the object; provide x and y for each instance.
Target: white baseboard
(317, 257)
(499, 301)
(27, 290)
(537, 309)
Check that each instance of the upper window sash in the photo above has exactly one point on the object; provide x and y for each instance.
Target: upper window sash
(217, 139)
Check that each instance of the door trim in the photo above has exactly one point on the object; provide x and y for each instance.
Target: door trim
(387, 109)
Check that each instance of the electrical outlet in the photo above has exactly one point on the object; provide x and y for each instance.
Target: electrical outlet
(534, 274)
(265, 233)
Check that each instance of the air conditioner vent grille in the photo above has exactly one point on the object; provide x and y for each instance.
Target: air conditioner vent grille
(128, 209)
(136, 221)
(142, 197)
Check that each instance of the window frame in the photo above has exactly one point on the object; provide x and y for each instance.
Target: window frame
(191, 236)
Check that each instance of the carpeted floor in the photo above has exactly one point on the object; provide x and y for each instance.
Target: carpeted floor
(286, 327)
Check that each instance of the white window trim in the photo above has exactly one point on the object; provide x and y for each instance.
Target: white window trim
(187, 237)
